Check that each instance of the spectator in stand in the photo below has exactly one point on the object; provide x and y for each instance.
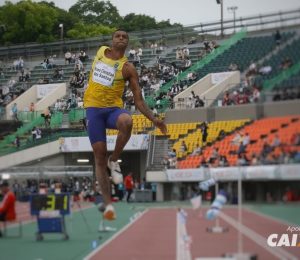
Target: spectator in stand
(131, 54)
(31, 107)
(242, 160)
(78, 65)
(68, 57)
(165, 162)
(7, 207)
(33, 133)
(286, 63)
(277, 96)
(183, 147)
(265, 70)
(17, 142)
(255, 94)
(276, 141)
(188, 63)
(14, 112)
(197, 150)
(172, 153)
(179, 54)
(199, 102)
(226, 99)
(129, 185)
(254, 160)
(277, 37)
(223, 162)
(82, 56)
(214, 156)
(47, 117)
(185, 52)
(233, 67)
(204, 131)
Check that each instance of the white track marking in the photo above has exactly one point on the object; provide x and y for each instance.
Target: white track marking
(94, 252)
(258, 239)
(183, 250)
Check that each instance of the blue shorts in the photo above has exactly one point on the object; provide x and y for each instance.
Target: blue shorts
(100, 119)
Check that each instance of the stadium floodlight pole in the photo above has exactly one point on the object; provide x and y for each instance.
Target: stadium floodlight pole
(222, 27)
(233, 9)
(61, 26)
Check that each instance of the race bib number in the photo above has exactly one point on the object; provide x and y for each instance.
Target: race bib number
(104, 74)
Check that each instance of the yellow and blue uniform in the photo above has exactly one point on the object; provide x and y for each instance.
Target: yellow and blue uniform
(103, 97)
(106, 83)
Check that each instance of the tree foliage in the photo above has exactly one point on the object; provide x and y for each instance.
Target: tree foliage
(82, 30)
(96, 12)
(28, 21)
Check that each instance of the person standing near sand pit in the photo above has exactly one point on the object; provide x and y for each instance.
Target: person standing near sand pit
(104, 109)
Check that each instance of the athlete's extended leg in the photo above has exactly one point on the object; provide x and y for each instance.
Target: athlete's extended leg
(124, 125)
(100, 153)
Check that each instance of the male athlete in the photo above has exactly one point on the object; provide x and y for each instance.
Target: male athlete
(104, 109)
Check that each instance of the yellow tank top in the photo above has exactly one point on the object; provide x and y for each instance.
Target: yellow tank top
(106, 82)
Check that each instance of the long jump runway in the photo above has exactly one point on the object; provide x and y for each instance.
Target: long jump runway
(154, 236)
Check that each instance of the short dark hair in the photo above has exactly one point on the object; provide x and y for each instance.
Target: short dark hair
(119, 30)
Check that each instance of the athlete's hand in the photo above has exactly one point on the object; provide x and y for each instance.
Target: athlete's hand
(161, 125)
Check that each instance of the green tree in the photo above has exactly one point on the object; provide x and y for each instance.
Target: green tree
(138, 22)
(27, 21)
(97, 12)
(82, 31)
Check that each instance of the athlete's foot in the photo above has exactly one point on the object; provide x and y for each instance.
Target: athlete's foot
(109, 213)
(115, 169)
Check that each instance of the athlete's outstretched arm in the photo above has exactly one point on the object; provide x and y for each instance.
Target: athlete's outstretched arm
(130, 73)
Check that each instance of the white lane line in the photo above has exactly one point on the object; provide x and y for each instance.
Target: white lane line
(258, 239)
(94, 252)
(183, 243)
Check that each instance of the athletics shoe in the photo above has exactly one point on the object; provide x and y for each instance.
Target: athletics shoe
(109, 213)
(115, 171)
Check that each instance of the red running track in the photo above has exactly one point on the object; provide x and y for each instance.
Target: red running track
(153, 237)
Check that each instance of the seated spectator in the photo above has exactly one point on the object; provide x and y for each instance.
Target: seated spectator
(68, 57)
(172, 153)
(179, 54)
(186, 53)
(226, 99)
(193, 40)
(197, 150)
(277, 96)
(276, 141)
(183, 147)
(265, 70)
(7, 207)
(173, 163)
(14, 112)
(199, 102)
(286, 63)
(255, 94)
(188, 63)
(83, 56)
(223, 162)
(233, 67)
(242, 160)
(166, 162)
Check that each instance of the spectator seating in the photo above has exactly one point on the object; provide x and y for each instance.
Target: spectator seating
(194, 138)
(261, 131)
